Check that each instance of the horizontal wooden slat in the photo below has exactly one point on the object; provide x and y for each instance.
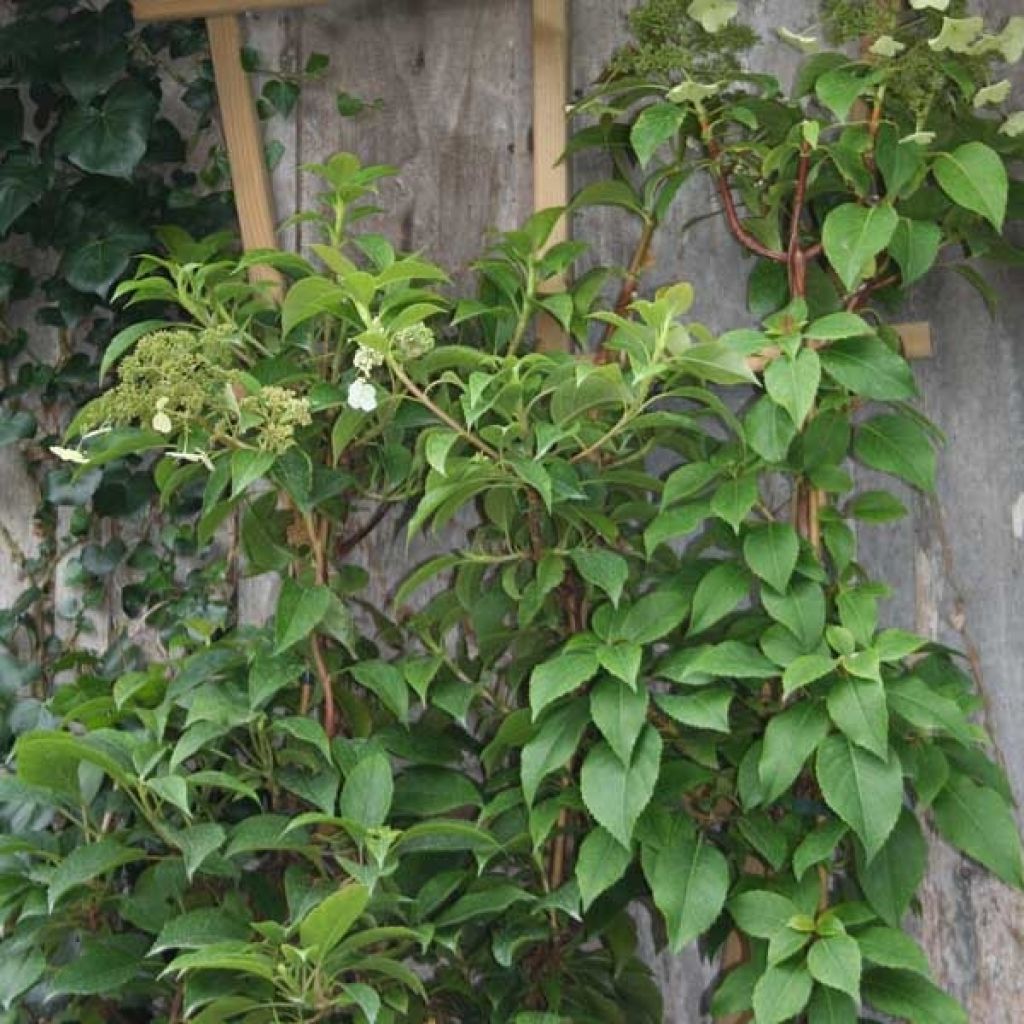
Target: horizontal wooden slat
(177, 10)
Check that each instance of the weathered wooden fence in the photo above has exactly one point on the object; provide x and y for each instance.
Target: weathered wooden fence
(453, 78)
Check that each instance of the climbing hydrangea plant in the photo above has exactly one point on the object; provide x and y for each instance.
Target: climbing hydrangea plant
(648, 669)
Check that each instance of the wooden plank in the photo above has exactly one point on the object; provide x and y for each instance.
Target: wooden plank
(249, 177)
(916, 338)
(550, 132)
(178, 10)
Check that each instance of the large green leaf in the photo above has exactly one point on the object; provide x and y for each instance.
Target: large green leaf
(890, 880)
(853, 235)
(554, 742)
(656, 125)
(868, 367)
(771, 551)
(801, 610)
(835, 960)
(864, 790)
(366, 795)
(619, 713)
(899, 445)
(717, 594)
(601, 862)
(95, 265)
(299, 611)
(88, 862)
(603, 569)
(615, 794)
(707, 708)
(762, 913)
(559, 677)
(110, 138)
(790, 739)
(858, 707)
(197, 928)
(689, 880)
(792, 382)
(915, 247)
(769, 430)
(327, 924)
(21, 966)
(781, 993)
(974, 177)
(103, 966)
(979, 821)
(911, 997)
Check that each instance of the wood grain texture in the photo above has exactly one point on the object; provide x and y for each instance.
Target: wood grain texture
(176, 10)
(249, 177)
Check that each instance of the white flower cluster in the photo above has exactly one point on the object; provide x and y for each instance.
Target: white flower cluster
(362, 395)
(367, 360)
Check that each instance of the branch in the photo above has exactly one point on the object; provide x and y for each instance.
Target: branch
(743, 236)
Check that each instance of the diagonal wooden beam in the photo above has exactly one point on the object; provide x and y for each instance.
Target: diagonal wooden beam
(550, 129)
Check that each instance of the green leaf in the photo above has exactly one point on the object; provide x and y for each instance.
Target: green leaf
(95, 265)
(88, 72)
(21, 967)
(387, 682)
(367, 793)
(653, 617)
(655, 126)
(733, 660)
(781, 993)
(853, 235)
(558, 677)
(622, 660)
(865, 791)
(689, 880)
(769, 430)
(891, 947)
(619, 714)
(803, 671)
(309, 298)
(915, 247)
(868, 367)
(330, 921)
(911, 997)
(828, 1006)
(835, 961)
(876, 507)
(858, 708)
(197, 842)
(974, 177)
(708, 708)
(484, 902)
(717, 594)
(110, 138)
(21, 186)
(838, 326)
(674, 523)
(735, 498)
(299, 611)
(817, 847)
(772, 551)
(15, 426)
(789, 740)
(761, 913)
(686, 481)
(601, 862)
(917, 703)
(890, 880)
(839, 88)
(198, 928)
(103, 966)
(552, 745)
(247, 466)
(978, 821)
(86, 863)
(242, 958)
(793, 383)
(801, 611)
(603, 569)
(615, 794)
(898, 445)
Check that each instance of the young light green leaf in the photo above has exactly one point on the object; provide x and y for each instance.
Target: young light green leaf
(793, 383)
(329, 922)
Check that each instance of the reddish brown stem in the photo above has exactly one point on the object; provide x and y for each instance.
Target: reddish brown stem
(630, 283)
(732, 216)
(324, 675)
(860, 297)
(796, 257)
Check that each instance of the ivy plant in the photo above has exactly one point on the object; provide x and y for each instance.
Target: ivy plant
(647, 665)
